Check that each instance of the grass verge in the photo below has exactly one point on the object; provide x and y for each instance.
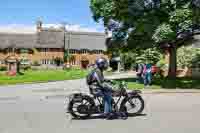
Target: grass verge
(165, 83)
(42, 76)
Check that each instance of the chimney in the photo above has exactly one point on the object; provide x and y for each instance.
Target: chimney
(39, 25)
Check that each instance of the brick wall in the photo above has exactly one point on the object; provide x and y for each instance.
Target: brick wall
(50, 54)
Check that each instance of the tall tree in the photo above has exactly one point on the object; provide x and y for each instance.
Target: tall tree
(150, 23)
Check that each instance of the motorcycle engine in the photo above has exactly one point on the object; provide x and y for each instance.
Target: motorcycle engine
(83, 109)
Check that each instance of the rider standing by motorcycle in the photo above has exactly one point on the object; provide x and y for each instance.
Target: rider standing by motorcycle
(99, 85)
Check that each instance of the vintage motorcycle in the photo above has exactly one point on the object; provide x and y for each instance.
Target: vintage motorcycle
(82, 106)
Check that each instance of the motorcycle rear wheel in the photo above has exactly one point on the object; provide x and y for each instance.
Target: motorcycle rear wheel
(75, 107)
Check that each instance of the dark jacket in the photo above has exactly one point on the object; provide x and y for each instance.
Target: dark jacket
(99, 82)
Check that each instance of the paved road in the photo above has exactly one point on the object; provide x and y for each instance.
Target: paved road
(39, 108)
(165, 113)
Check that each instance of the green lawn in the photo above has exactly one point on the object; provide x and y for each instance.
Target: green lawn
(56, 75)
(42, 76)
(158, 83)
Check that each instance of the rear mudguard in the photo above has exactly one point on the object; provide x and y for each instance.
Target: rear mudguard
(78, 97)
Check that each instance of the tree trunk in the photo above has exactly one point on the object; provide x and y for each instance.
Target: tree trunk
(18, 67)
(172, 63)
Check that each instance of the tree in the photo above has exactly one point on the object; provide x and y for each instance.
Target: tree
(132, 57)
(150, 23)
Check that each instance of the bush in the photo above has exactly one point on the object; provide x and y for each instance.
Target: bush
(26, 67)
(150, 55)
(187, 56)
(196, 60)
(161, 64)
(128, 60)
(36, 63)
(3, 68)
(58, 61)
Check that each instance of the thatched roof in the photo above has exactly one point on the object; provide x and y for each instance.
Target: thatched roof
(54, 39)
(17, 40)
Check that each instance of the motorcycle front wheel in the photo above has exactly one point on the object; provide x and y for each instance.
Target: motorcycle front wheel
(133, 105)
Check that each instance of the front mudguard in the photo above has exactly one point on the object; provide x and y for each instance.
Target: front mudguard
(135, 93)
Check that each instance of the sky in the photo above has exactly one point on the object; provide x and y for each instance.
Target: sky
(23, 14)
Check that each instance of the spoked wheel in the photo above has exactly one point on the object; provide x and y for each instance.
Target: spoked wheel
(81, 109)
(133, 105)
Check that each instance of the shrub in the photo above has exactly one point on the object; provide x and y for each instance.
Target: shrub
(3, 68)
(187, 56)
(161, 64)
(36, 63)
(196, 61)
(58, 61)
(26, 67)
(128, 60)
(150, 55)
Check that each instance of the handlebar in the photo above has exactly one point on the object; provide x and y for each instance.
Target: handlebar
(120, 83)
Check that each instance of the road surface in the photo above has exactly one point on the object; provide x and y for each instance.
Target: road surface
(39, 108)
(164, 113)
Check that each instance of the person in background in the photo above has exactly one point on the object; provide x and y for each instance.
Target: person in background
(139, 71)
(147, 74)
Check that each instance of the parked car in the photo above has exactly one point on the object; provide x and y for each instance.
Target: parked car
(154, 69)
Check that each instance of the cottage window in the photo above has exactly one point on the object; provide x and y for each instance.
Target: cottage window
(2, 61)
(96, 52)
(9, 50)
(52, 62)
(83, 51)
(49, 62)
(72, 51)
(73, 61)
(44, 61)
(46, 50)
